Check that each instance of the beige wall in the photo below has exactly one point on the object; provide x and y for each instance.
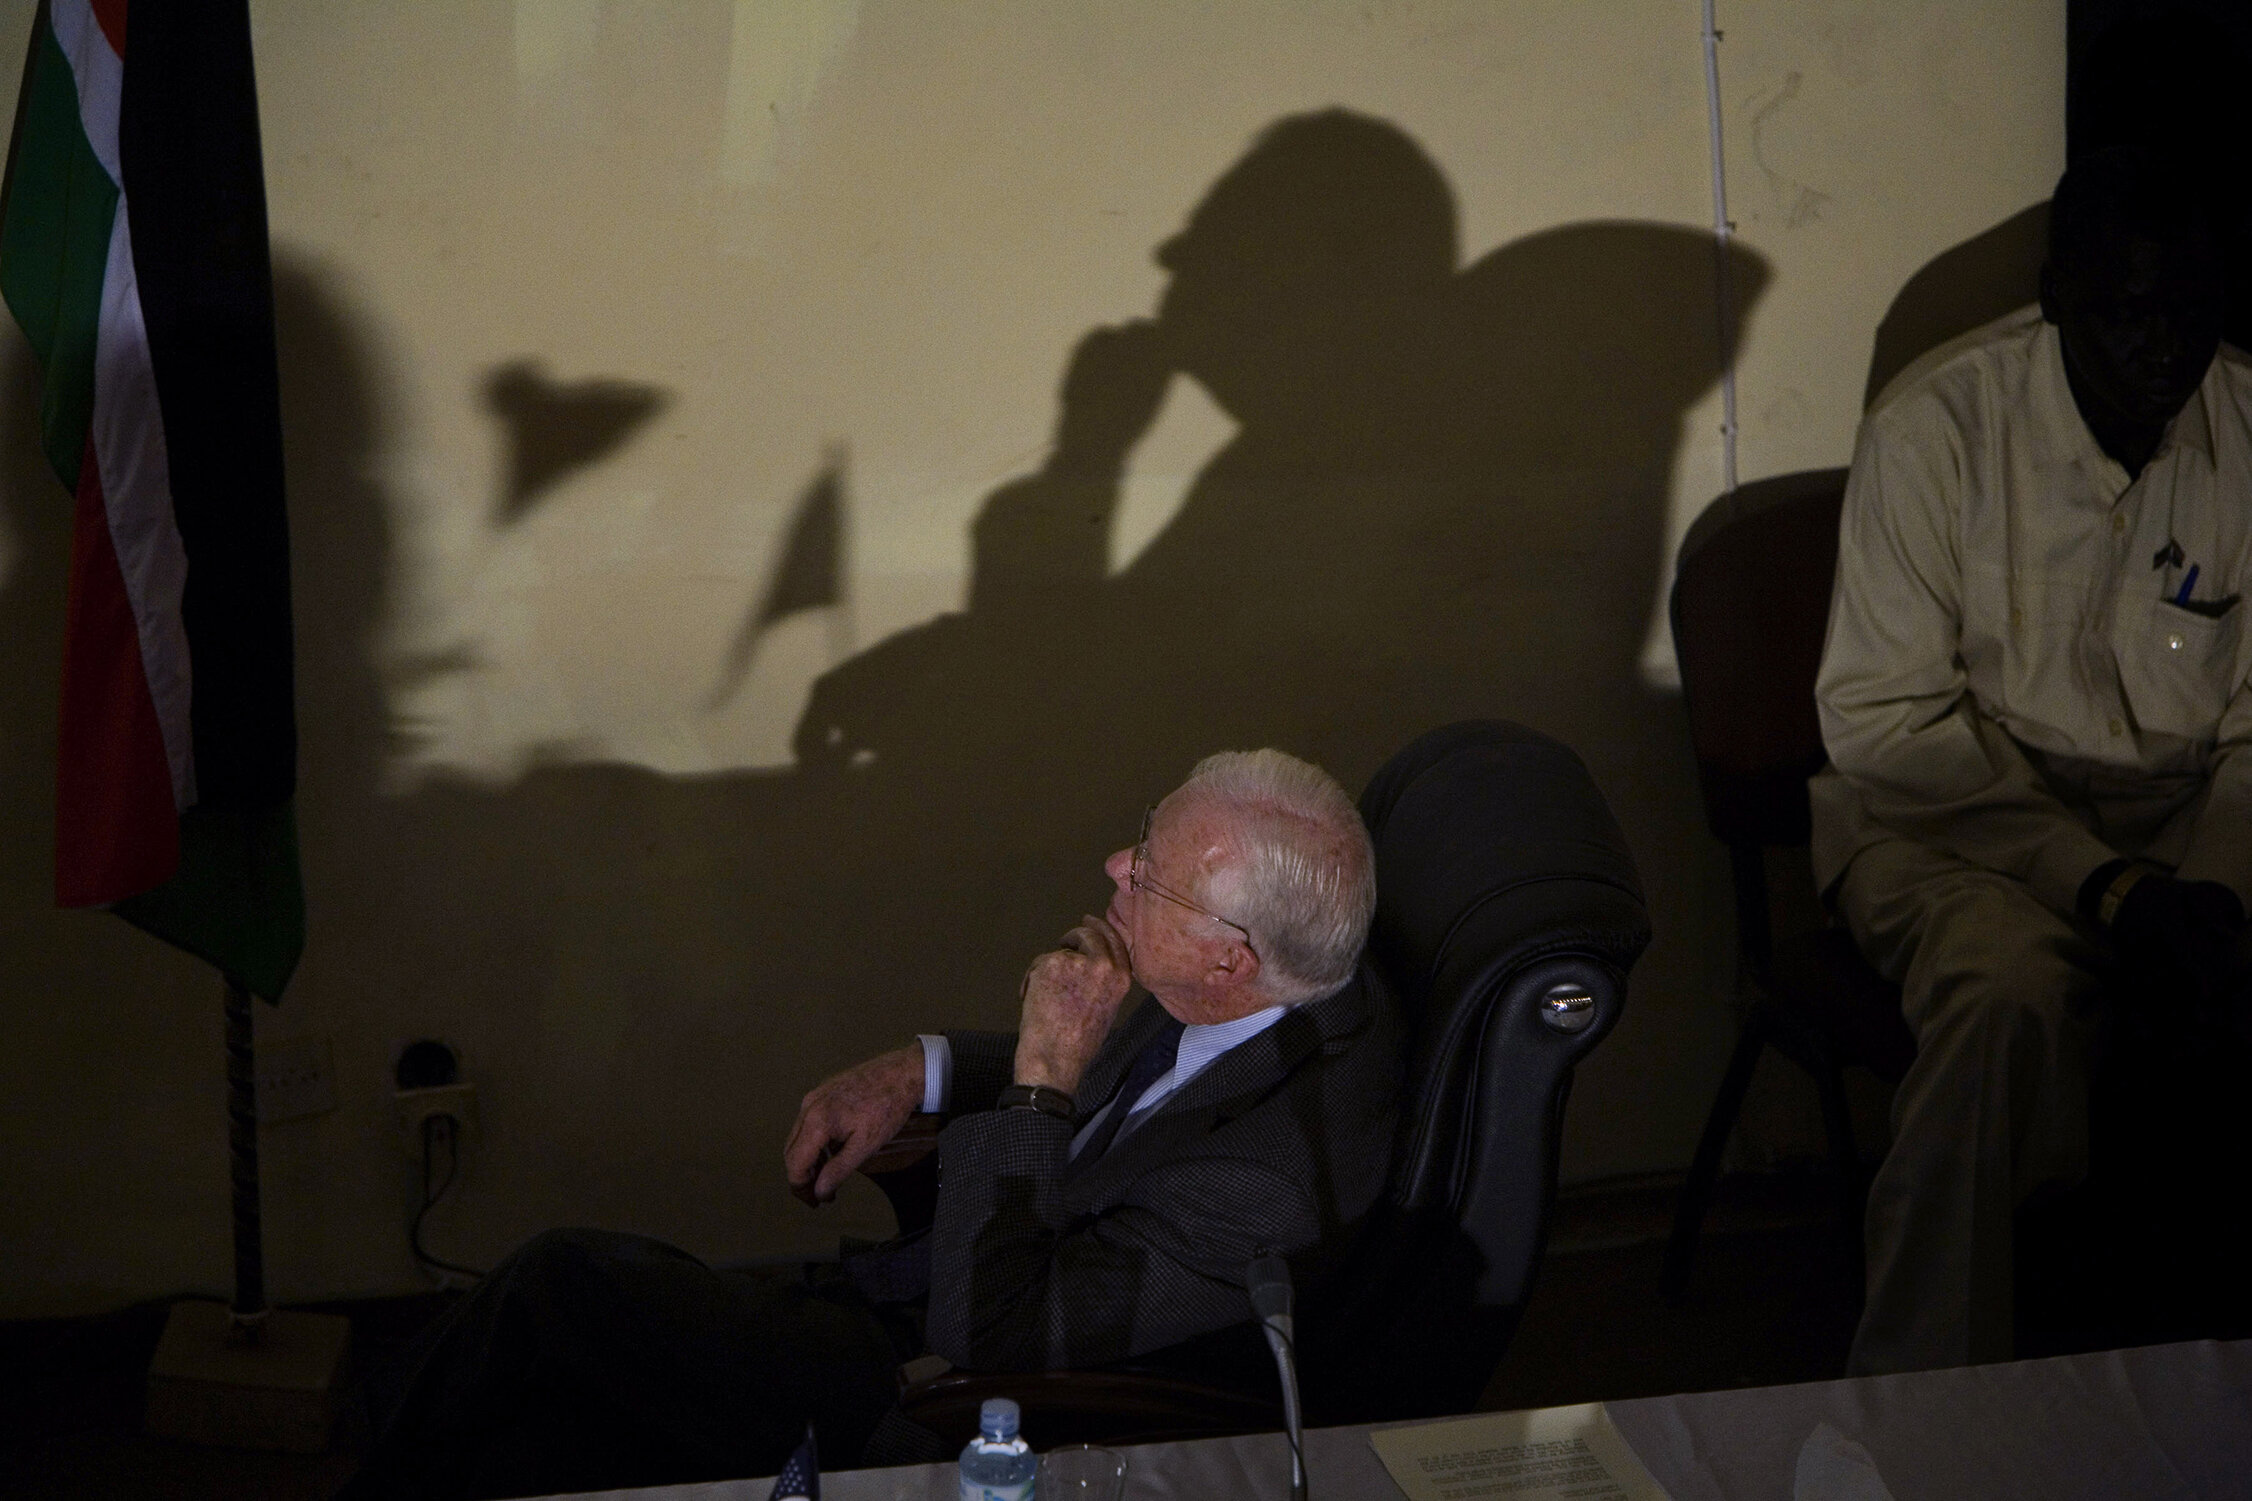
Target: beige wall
(583, 305)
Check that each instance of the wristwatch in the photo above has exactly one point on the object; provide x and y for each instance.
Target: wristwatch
(2107, 906)
(1039, 1097)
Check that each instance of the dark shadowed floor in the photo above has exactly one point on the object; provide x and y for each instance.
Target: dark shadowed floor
(71, 1394)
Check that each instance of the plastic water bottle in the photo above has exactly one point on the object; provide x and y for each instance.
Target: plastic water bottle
(997, 1465)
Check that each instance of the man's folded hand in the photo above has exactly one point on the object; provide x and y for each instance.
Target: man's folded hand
(1111, 392)
(1071, 997)
(843, 1120)
(2188, 933)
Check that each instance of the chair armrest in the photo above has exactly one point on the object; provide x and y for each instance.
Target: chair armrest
(1086, 1407)
(906, 1169)
(915, 1141)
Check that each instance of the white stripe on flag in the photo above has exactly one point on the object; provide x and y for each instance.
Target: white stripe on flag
(100, 74)
(128, 424)
(129, 453)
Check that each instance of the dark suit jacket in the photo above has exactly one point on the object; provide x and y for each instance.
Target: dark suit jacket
(1281, 1145)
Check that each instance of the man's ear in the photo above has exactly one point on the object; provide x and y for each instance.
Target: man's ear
(1238, 964)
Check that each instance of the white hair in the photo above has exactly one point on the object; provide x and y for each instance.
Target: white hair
(1301, 874)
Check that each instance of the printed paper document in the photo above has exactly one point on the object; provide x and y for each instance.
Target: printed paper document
(1547, 1454)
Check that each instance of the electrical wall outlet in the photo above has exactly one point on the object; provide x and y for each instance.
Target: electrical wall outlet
(419, 1105)
(295, 1077)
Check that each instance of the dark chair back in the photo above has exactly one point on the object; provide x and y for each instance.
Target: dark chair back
(1509, 913)
(1751, 606)
(1751, 609)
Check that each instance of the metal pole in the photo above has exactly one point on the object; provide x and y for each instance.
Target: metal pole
(249, 1311)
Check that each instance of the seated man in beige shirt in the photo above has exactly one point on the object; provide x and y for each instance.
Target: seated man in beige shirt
(2036, 701)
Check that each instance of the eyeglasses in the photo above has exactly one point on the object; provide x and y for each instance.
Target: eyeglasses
(1138, 879)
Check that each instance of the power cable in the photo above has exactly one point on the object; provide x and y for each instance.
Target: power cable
(433, 1128)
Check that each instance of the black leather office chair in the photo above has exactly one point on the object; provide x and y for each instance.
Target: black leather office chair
(1508, 915)
(1751, 600)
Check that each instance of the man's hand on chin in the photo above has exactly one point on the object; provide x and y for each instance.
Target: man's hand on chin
(1071, 996)
(844, 1119)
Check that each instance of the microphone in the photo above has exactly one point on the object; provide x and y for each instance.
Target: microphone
(1269, 1281)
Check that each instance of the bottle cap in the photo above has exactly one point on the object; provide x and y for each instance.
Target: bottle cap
(998, 1418)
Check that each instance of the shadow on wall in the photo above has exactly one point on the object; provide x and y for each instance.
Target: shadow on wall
(1447, 489)
(1964, 287)
(1447, 498)
(2165, 80)
(808, 574)
(554, 428)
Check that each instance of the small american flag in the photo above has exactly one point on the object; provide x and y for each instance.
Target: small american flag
(800, 1479)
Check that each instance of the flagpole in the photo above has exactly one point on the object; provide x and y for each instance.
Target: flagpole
(162, 320)
(249, 1312)
(248, 1376)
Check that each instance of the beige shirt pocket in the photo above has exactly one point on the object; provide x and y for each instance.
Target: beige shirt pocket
(2179, 667)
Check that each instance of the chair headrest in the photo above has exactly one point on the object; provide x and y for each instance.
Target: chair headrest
(1469, 812)
(1501, 879)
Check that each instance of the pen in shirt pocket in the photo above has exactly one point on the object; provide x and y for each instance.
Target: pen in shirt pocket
(2189, 582)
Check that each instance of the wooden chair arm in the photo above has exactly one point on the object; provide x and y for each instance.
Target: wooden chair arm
(915, 1141)
(906, 1169)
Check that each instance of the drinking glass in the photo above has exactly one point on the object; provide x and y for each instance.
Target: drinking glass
(1082, 1472)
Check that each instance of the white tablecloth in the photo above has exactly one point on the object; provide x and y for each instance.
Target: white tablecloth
(2162, 1422)
(2153, 1424)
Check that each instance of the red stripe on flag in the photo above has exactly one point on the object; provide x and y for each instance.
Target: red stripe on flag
(110, 16)
(116, 831)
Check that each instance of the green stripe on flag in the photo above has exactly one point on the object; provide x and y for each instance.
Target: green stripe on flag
(238, 902)
(54, 249)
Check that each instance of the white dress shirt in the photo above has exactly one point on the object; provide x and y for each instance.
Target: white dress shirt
(2021, 668)
(1201, 1045)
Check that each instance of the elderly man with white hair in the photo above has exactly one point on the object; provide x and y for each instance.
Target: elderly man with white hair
(1104, 1183)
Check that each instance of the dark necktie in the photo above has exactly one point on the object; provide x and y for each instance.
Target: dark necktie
(1149, 1065)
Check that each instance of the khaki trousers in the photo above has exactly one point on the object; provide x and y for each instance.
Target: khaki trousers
(2002, 994)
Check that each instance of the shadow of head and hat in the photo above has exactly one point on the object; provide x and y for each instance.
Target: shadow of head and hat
(1446, 496)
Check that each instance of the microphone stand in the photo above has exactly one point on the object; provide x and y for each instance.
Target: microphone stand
(1269, 1281)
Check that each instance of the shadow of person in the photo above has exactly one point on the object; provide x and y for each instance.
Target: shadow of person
(342, 552)
(1964, 287)
(1446, 498)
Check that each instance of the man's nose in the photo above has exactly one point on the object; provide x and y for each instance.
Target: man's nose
(2151, 336)
(1120, 867)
